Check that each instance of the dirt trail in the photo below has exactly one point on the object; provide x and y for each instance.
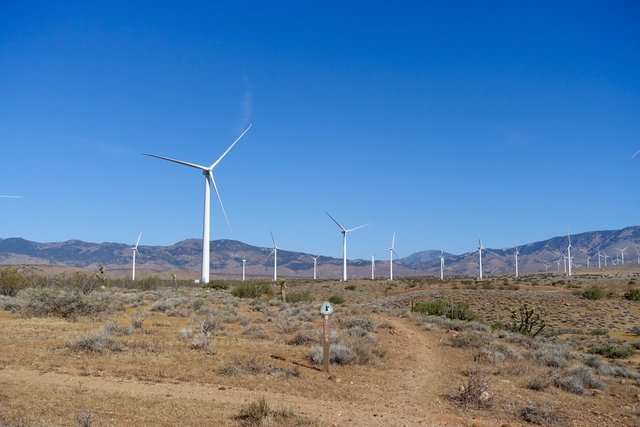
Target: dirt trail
(412, 385)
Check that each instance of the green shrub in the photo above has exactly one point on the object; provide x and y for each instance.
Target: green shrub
(11, 281)
(613, 349)
(67, 304)
(252, 290)
(216, 284)
(350, 287)
(593, 293)
(451, 310)
(299, 297)
(336, 299)
(632, 295)
(527, 321)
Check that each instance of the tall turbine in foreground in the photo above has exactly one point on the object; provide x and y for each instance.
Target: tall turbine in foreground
(275, 257)
(135, 251)
(392, 251)
(344, 232)
(441, 264)
(208, 181)
(569, 254)
(480, 248)
(315, 265)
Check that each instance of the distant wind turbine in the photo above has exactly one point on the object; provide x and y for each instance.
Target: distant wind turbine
(315, 265)
(344, 232)
(637, 253)
(569, 253)
(373, 268)
(546, 267)
(209, 180)
(392, 251)
(480, 248)
(441, 264)
(622, 252)
(135, 251)
(517, 252)
(605, 256)
(244, 267)
(275, 257)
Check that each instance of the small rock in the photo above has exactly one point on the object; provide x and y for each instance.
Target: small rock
(485, 396)
(338, 380)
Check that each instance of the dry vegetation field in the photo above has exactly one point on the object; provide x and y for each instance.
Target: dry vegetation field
(87, 351)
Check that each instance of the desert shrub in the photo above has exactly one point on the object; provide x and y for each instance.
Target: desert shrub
(112, 327)
(632, 295)
(339, 354)
(9, 303)
(451, 310)
(63, 303)
(95, 342)
(252, 290)
(578, 380)
(84, 418)
(299, 297)
(254, 331)
(336, 299)
(613, 349)
(605, 368)
(168, 304)
(202, 341)
(364, 322)
(542, 415)
(527, 321)
(593, 293)
(11, 281)
(474, 393)
(303, 338)
(254, 413)
(498, 352)
(467, 339)
(210, 325)
(599, 331)
(216, 284)
(550, 355)
(185, 333)
(350, 288)
(137, 319)
(539, 382)
(635, 330)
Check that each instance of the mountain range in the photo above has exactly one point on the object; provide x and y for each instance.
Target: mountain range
(227, 256)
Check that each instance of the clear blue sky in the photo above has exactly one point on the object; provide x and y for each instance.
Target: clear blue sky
(436, 119)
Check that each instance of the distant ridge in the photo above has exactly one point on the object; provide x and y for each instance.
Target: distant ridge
(227, 256)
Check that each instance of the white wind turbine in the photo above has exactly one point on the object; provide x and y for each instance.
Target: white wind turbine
(209, 180)
(622, 253)
(546, 267)
(569, 253)
(135, 251)
(373, 268)
(275, 257)
(344, 232)
(480, 248)
(517, 252)
(315, 265)
(392, 251)
(441, 264)
(605, 256)
(599, 256)
(244, 267)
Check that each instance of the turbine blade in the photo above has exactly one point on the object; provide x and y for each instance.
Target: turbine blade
(637, 152)
(229, 149)
(355, 228)
(393, 240)
(215, 187)
(273, 239)
(138, 242)
(180, 162)
(336, 221)
(479, 241)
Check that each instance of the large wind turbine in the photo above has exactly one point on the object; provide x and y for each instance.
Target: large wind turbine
(275, 257)
(441, 264)
(517, 252)
(244, 267)
(622, 253)
(135, 250)
(315, 265)
(344, 232)
(392, 251)
(480, 248)
(569, 253)
(208, 180)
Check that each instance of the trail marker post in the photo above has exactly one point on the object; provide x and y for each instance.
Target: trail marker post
(326, 310)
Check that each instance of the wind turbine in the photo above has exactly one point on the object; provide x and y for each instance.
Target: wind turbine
(622, 253)
(441, 264)
(344, 232)
(244, 267)
(135, 251)
(480, 248)
(315, 265)
(275, 257)
(391, 252)
(546, 267)
(569, 253)
(637, 253)
(208, 180)
(605, 256)
(373, 268)
(517, 252)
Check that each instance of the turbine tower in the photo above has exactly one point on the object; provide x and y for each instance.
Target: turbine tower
(441, 264)
(244, 267)
(517, 252)
(637, 253)
(622, 253)
(373, 268)
(392, 251)
(315, 265)
(275, 257)
(344, 232)
(546, 267)
(569, 253)
(208, 181)
(480, 248)
(135, 251)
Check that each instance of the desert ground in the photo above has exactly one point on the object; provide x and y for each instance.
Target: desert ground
(89, 351)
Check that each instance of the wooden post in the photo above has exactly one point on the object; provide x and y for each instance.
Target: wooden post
(325, 347)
